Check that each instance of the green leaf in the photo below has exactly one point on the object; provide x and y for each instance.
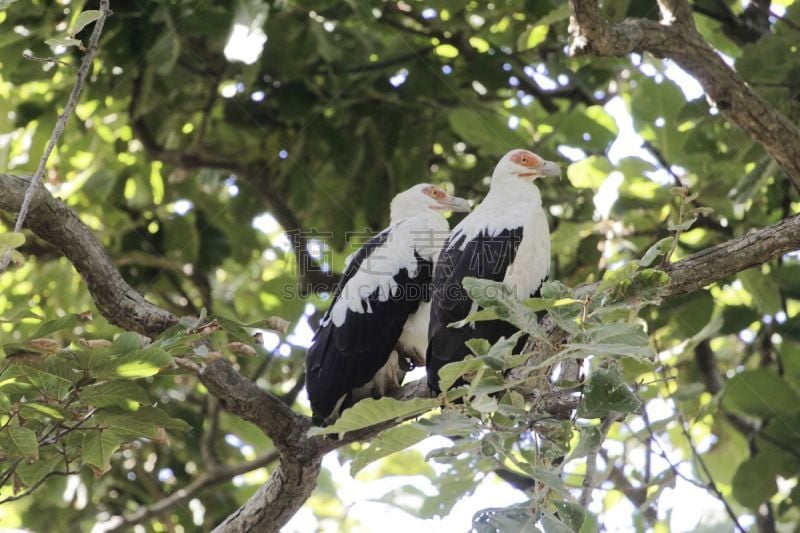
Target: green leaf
(589, 173)
(98, 447)
(33, 471)
(532, 37)
(144, 422)
(139, 364)
(369, 412)
(517, 518)
(388, 442)
(658, 249)
(606, 393)
(571, 514)
(35, 410)
(485, 129)
(590, 439)
(452, 372)
(11, 240)
(126, 342)
(84, 19)
(609, 351)
(763, 289)
(49, 327)
(760, 393)
(53, 376)
(64, 41)
(18, 441)
(754, 481)
(120, 393)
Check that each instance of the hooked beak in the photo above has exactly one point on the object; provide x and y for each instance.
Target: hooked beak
(549, 168)
(456, 204)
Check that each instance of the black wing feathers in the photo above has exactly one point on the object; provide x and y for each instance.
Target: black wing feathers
(344, 358)
(487, 257)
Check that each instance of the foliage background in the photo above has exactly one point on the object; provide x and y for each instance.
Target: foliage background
(189, 164)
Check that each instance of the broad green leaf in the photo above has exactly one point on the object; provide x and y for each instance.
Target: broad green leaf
(84, 19)
(120, 393)
(126, 342)
(763, 289)
(369, 412)
(760, 393)
(35, 410)
(49, 327)
(52, 375)
(64, 41)
(754, 481)
(589, 173)
(517, 518)
(98, 447)
(144, 422)
(30, 472)
(571, 514)
(388, 442)
(552, 524)
(485, 129)
(590, 439)
(658, 249)
(532, 37)
(18, 441)
(11, 240)
(138, 364)
(606, 393)
(609, 351)
(452, 372)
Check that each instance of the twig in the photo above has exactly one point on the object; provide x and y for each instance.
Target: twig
(35, 486)
(61, 123)
(591, 462)
(53, 60)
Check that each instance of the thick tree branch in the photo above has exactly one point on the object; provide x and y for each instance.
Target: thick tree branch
(677, 38)
(243, 398)
(54, 222)
(719, 262)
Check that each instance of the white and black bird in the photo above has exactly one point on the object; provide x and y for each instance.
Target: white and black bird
(506, 238)
(377, 325)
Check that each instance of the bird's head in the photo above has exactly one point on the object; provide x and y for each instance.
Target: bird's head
(423, 198)
(524, 165)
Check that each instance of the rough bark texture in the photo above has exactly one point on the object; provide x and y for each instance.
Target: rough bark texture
(300, 456)
(676, 38)
(726, 259)
(277, 501)
(57, 224)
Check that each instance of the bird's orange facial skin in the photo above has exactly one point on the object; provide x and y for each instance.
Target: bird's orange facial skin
(435, 192)
(526, 159)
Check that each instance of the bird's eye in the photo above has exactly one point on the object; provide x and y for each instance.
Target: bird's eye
(524, 159)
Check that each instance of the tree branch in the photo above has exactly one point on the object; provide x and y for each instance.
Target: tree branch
(677, 38)
(61, 123)
(57, 224)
